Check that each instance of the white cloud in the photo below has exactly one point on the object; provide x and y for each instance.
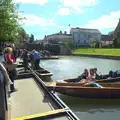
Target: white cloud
(77, 4)
(52, 22)
(40, 2)
(64, 11)
(104, 22)
(33, 20)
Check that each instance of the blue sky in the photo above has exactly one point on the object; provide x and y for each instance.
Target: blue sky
(44, 17)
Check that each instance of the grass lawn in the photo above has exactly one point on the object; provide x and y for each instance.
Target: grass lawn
(98, 51)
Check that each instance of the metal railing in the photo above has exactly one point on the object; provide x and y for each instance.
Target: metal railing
(3, 99)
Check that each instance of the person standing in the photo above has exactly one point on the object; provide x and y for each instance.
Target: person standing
(10, 66)
(32, 60)
(83, 76)
(15, 54)
(25, 59)
(36, 56)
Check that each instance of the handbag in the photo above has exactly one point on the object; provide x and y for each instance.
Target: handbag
(11, 67)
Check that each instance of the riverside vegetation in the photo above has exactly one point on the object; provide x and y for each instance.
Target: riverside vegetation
(97, 51)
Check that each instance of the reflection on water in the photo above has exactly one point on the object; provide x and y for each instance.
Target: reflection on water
(93, 109)
(91, 105)
(72, 66)
(85, 109)
(1, 58)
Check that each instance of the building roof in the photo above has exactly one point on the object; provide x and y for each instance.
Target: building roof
(107, 38)
(57, 35)
(77, 29)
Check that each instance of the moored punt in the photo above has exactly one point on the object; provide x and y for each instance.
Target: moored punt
(49, 57)
(43, 73)
(115, 79)
(46, 58)
(34, 101)
(108, 90)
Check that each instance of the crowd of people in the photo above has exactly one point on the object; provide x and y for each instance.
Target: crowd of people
(88, 76)
(34, 58)
(8, 65)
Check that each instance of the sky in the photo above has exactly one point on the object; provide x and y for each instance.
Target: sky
(45, 17)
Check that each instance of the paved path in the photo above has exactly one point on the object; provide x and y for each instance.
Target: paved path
(29, 99)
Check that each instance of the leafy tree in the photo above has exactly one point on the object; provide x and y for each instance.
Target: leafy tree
(31, 38)
(9, 21)
(22, 37)
(69, 44)
(111, 33)
(93, 44)
(115, 43)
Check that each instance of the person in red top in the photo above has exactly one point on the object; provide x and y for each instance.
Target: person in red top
(8, 56)
(90, 77)
(9, 59)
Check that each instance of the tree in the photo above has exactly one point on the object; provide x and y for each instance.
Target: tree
(9, 21)
(69, 44)
(93, 43)
(116, 45)
(111, 33)
(31, 38)
(22, 37)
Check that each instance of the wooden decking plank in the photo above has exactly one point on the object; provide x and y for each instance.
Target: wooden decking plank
(45, 114)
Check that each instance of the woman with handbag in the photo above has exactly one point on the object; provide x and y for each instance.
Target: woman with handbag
(10, 66)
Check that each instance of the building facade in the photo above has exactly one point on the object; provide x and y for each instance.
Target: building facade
(82, 36)
(107, 41)
(117, 35)
(58, 38)
(57, 42)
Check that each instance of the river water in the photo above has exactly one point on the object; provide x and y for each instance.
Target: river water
(85, 109)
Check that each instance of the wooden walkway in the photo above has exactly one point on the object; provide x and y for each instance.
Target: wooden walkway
(31, 101)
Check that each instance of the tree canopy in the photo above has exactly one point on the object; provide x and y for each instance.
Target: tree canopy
(9, 21)
(69, 44)
(31, 38)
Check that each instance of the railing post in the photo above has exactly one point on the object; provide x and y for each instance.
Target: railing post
(3, 100)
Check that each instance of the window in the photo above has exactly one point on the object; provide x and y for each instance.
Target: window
(89, 36)
(84, 35)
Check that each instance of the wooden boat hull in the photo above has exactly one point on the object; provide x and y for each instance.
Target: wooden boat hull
(116, 79)
(51, 57)
(43, 73)
(108, 90)
(89, 92)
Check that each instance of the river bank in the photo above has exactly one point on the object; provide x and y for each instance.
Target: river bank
(98, 56)
(98, 53)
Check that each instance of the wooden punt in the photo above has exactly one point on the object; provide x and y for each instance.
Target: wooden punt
(115, 79)
(42, 72)
(108, 90)
(49, 57)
